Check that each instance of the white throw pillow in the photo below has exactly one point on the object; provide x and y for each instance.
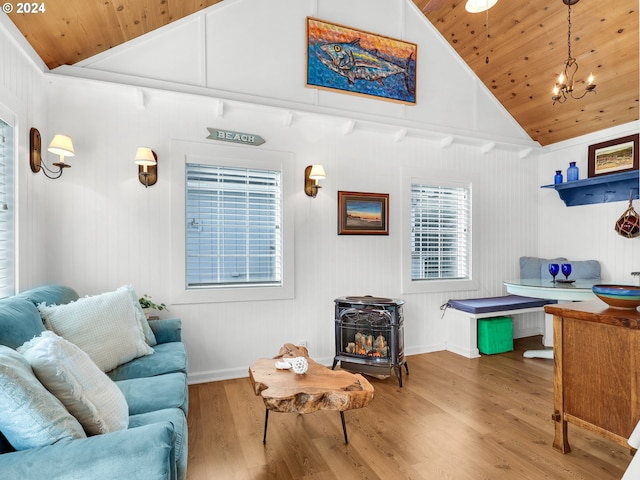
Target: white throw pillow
(87, 393)
(149, 336)
(104, 326)
(30, 416)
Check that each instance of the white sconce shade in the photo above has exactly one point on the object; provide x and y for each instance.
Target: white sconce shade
(317, 172)
(477, 6)
(63, 146)
(145, 157)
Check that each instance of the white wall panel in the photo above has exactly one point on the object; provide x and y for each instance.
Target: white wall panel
(255, 48)
(114, 231)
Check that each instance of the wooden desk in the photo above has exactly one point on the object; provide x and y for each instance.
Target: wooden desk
(596, 370)
(320, 388)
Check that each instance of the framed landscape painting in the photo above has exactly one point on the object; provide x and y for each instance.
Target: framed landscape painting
(613, 156)
(354, 61)
(363, 213)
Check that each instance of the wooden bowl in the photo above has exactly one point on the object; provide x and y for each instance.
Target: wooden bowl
(619, 296)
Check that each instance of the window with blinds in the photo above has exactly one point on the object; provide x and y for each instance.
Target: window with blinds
(7, 232)
(233, 226)
(440, 232)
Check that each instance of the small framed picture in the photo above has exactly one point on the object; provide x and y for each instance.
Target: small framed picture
(363, 213)
(613, 156)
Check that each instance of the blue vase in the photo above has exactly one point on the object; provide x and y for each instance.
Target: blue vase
(558, 178)
(572, 172)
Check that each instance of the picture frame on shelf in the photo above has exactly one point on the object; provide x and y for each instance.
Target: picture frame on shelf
(361, 213)
(613, 156)
(348, 60)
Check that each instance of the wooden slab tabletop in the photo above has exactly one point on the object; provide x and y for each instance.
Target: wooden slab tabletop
(597, 311)
(320, 388)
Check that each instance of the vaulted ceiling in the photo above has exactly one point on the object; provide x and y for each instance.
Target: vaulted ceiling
(517, 49)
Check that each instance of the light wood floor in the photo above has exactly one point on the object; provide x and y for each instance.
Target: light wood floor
(455, 418)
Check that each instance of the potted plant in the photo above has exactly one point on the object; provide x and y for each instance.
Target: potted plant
(147, 305)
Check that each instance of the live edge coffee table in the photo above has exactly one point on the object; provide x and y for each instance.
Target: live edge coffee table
(320, 388)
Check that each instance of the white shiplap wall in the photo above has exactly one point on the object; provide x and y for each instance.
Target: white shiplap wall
(97, 228)
(115, 231)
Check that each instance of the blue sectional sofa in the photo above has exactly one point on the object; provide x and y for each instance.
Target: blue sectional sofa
(154, 446)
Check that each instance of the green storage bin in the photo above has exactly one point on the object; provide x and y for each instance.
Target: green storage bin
(495, 335)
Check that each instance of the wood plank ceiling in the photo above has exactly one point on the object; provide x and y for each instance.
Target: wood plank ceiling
(525, 43)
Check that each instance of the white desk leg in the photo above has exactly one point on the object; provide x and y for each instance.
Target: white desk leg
(548, 354)
(547, 340)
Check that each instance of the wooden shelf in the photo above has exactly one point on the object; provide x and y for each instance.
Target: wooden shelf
(603, 189)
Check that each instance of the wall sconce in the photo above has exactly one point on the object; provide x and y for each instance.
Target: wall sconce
(60, 145)
(147, 162)
(312, 174)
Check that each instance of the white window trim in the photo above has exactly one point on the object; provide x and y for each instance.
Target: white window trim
(183, 152)
(11, 118)
(435, 177)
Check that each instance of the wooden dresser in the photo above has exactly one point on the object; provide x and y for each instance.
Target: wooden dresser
(596, 370)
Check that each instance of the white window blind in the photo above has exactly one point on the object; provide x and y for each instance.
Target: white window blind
(233, 226)
(441, 232)
(7, 232)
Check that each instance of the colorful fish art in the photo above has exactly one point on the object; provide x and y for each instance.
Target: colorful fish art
(358, 62)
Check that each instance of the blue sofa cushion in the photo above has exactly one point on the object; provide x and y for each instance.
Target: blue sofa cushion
(50, 295)
(179, 422)
(497, 304)
(156, 393)
(20, 321)
(140, 453)
(167, 358)
(167, 330)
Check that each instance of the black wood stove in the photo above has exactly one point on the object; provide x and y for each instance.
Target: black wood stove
(370, 335)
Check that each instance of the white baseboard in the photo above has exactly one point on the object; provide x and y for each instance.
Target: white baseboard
(243, 372)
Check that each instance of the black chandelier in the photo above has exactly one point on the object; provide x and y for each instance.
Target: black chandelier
(564, 87)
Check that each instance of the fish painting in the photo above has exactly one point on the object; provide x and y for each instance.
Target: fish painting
(354, 61)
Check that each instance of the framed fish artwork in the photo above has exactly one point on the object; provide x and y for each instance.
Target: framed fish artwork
(358, 62)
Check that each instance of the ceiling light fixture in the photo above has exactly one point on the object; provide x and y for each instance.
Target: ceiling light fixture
(564, 87)
(477, 6)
